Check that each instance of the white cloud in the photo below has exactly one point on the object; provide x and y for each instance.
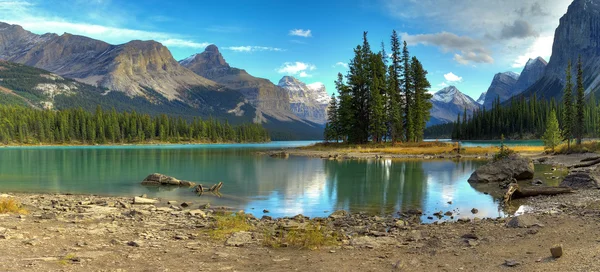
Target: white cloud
(451, 77)
(443, 85)
(541, 47)
(297, 68)
(184, 43)
(301, 33)
(253, 48)
(341, 64)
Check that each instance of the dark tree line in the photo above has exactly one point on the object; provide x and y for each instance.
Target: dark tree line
(522, 118)
(380, 102)
(20, 125)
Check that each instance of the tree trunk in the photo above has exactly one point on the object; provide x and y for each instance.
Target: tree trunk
(515, 192)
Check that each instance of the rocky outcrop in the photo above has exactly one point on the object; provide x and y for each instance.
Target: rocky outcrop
(447, 103)
(512, 167)
(578, 34)
(503, 87)
(481, 98)
(157, 179)
(580, 180)
(532, 72)
(260, 92)
(308, 102)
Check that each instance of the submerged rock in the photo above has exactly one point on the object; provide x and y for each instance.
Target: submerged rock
(282, 155)
(158, 179)
(580, 180)
(514, 166)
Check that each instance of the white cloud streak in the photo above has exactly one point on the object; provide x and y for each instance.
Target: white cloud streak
(341, 64)
(253, 48)
(301, 33)
(297, 68)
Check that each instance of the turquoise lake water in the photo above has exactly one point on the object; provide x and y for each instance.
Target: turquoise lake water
(285, 187)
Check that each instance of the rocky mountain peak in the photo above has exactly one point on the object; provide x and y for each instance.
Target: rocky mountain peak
(503, 87)
(481, 98)
(289, 80)
(536, 61)
(206, 61)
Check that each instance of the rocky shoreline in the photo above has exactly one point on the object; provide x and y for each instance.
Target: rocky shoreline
(334, 155)
(94, 233)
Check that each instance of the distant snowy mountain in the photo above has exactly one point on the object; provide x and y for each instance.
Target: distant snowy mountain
(308, 102)
(448, 103)
(481, 99)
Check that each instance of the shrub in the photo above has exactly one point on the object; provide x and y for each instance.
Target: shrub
(228, 223)
(10, 205)
(313, 236)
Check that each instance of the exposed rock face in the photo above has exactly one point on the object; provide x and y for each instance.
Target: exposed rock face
(514, 166)
(532, 72)
(130, 67)
(503, 87)
(260, 92)
(447, 103)
(580, 180)
(308, 102)
(578, 34)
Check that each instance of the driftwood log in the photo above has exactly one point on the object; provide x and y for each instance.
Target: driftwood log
(215, 188)
(515, 192)
(586, 163)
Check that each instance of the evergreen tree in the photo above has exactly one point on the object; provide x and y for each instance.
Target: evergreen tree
(345, 109)
(421, 103)
(359, 81)
(408, 97)
(377, 127)
(333, 124)
(395, 101)
(580, 105)
(552, 136)
(567, 124)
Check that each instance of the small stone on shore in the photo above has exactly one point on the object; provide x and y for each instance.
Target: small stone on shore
(556, 251)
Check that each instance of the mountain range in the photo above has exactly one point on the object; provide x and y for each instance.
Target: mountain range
(202, 85)
(448, 102)
(577, 35)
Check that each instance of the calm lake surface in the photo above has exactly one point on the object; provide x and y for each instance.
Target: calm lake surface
(285, 187)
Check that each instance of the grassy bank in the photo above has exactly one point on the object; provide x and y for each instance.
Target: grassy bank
(423, 148)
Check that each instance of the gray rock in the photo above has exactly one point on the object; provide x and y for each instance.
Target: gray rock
(339, 214)
(537, 182)
(197, 213)
(514, 166)
(580, 180)
(134, 243)
(523, 221)
(239, 239)
(143, 201)
(511, 263)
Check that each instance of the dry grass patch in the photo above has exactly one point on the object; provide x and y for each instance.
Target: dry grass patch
(585, 147)
(227, 223)
(10, 205)
(313, 236)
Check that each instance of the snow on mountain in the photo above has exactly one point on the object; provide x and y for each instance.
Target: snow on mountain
(481, 99)
(306, 101)
(447, 103)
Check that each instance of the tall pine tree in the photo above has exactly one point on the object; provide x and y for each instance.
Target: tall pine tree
(580, 105)
(567, 125)
(395, 102)
(408, 97)
(421, 103)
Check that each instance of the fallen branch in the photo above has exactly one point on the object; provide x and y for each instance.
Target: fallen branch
(215, 188)
(515, 192)
(586, 164)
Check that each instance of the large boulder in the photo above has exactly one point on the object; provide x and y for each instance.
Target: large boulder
(580, 180)
(511, 167)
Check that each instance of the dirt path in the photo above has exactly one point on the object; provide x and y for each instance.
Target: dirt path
(88, 233)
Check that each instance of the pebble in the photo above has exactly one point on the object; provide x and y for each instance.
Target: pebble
(511, 263)
(474, 211)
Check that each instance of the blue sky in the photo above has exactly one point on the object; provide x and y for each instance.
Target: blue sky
(462, 42)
